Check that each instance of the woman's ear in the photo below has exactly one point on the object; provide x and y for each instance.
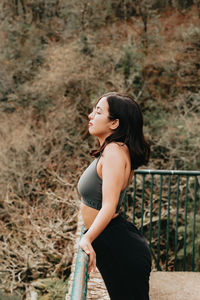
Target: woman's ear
(114, 124)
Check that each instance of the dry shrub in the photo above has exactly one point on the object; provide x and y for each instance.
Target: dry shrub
(39, 202)
(182, 136)
(171, 66)
(36, 241)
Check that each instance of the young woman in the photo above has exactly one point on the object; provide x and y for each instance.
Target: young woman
(112, 243)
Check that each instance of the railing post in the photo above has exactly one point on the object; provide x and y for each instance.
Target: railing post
(159, 221)
(151, 210)
(185, 231)
(134, 195)
(177, 215)
(79, 287)
(142, 209)
(194, 225)
(168, 221)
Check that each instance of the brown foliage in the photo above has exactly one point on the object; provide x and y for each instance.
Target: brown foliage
(52, 71)
(39, 203)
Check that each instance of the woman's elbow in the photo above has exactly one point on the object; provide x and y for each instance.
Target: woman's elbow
(109, 207)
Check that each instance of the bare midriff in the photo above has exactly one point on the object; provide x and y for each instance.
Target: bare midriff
(89, 214)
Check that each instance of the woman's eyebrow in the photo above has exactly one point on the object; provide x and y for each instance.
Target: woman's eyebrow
(98, 107)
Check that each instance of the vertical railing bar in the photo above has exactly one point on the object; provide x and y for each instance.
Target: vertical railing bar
(194, 225)
(142, 210)
(159, 221)
(125, 205)
(177, 215)
(168, 221)
(134, 196)
(151, 210)
(185, 231)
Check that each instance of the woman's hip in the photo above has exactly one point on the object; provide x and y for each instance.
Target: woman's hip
(124, 243)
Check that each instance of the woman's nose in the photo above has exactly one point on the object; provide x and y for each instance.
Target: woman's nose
(91, 115)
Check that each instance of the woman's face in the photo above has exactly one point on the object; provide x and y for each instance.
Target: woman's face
(99, 124)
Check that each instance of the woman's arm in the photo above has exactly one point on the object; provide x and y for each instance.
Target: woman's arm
(113, 171)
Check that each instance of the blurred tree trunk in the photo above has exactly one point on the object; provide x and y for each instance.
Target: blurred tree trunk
(16, 7)
(144, 12)
(38, 10)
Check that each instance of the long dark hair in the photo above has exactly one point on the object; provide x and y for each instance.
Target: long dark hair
(130, 129)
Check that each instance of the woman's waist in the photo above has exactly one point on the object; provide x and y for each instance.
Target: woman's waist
(89, 214)
(96, 204)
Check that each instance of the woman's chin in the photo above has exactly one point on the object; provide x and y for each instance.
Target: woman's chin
(91, 130)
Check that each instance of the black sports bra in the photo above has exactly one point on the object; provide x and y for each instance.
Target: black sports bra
(90, 187)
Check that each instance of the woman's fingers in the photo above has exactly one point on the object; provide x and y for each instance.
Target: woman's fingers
(92, 262)
(88, 249)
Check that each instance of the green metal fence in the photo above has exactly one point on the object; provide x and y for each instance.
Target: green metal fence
(165, 205)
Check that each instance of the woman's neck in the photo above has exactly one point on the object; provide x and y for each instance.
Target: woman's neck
(102, 139)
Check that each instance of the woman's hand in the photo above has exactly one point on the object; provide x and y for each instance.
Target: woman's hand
(88, 249)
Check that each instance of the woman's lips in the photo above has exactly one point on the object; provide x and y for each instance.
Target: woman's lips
(90, 124)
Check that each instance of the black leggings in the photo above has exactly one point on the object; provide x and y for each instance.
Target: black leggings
(124, 260)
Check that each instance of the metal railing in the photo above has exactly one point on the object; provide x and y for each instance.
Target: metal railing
(165, 206)
(79, 287)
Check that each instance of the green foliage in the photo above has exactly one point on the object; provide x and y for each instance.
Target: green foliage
(183, 4)
(130, 64)
(21, 56)
(189, 242)
(51, 289)
(9, 297)
(85, 45)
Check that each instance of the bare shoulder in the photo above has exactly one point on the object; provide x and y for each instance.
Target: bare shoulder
(116, 151)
